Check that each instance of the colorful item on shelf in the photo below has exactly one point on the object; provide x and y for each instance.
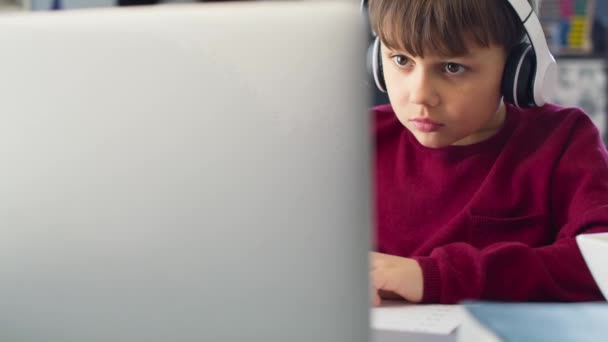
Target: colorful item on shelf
(568, 25)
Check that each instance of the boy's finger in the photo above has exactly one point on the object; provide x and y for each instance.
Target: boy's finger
(376, 300)
(378, 280)
(389, 295)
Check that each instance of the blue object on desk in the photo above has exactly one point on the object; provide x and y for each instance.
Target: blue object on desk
(56, 5)
(555, 322)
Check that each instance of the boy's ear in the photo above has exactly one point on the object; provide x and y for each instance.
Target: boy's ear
(376, 65)
(531, 68)
(518, 76)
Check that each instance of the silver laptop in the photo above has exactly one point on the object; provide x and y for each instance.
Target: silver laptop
(185, 173)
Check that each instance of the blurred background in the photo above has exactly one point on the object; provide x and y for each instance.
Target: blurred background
(576, 30)
(577, 34)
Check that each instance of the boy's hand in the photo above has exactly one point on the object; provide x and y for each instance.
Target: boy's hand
(395, 277)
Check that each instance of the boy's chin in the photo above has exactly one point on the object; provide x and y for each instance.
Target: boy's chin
(433, 145)
(431, 142)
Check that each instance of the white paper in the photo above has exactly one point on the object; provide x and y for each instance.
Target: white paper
(424, 318)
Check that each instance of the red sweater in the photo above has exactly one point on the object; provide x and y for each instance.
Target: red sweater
(495, 220)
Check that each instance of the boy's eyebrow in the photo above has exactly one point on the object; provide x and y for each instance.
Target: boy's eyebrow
(462, 55)
(466, 55)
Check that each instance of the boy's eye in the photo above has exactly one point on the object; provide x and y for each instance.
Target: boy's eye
(400, 60)
(454, 68)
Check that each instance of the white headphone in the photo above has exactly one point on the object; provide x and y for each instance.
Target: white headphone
(530, 71)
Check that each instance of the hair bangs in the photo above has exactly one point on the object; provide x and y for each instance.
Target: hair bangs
(443, 27)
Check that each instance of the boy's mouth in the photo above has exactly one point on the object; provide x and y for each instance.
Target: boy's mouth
(426, 125)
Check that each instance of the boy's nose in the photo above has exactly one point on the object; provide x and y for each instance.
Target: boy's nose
(421, 90)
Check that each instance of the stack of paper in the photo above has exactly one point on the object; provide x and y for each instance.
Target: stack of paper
(418, 318)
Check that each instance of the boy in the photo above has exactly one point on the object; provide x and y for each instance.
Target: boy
(476, 198)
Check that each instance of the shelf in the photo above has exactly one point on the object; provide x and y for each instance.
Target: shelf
(10, 6)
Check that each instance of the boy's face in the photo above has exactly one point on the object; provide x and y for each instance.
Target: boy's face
(447, 100)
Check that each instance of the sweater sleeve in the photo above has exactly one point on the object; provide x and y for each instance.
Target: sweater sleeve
(513, 271)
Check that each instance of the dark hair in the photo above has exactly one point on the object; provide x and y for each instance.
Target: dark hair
(441, 27)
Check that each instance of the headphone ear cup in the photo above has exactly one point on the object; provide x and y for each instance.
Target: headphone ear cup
(518, 76)
(377, 68)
